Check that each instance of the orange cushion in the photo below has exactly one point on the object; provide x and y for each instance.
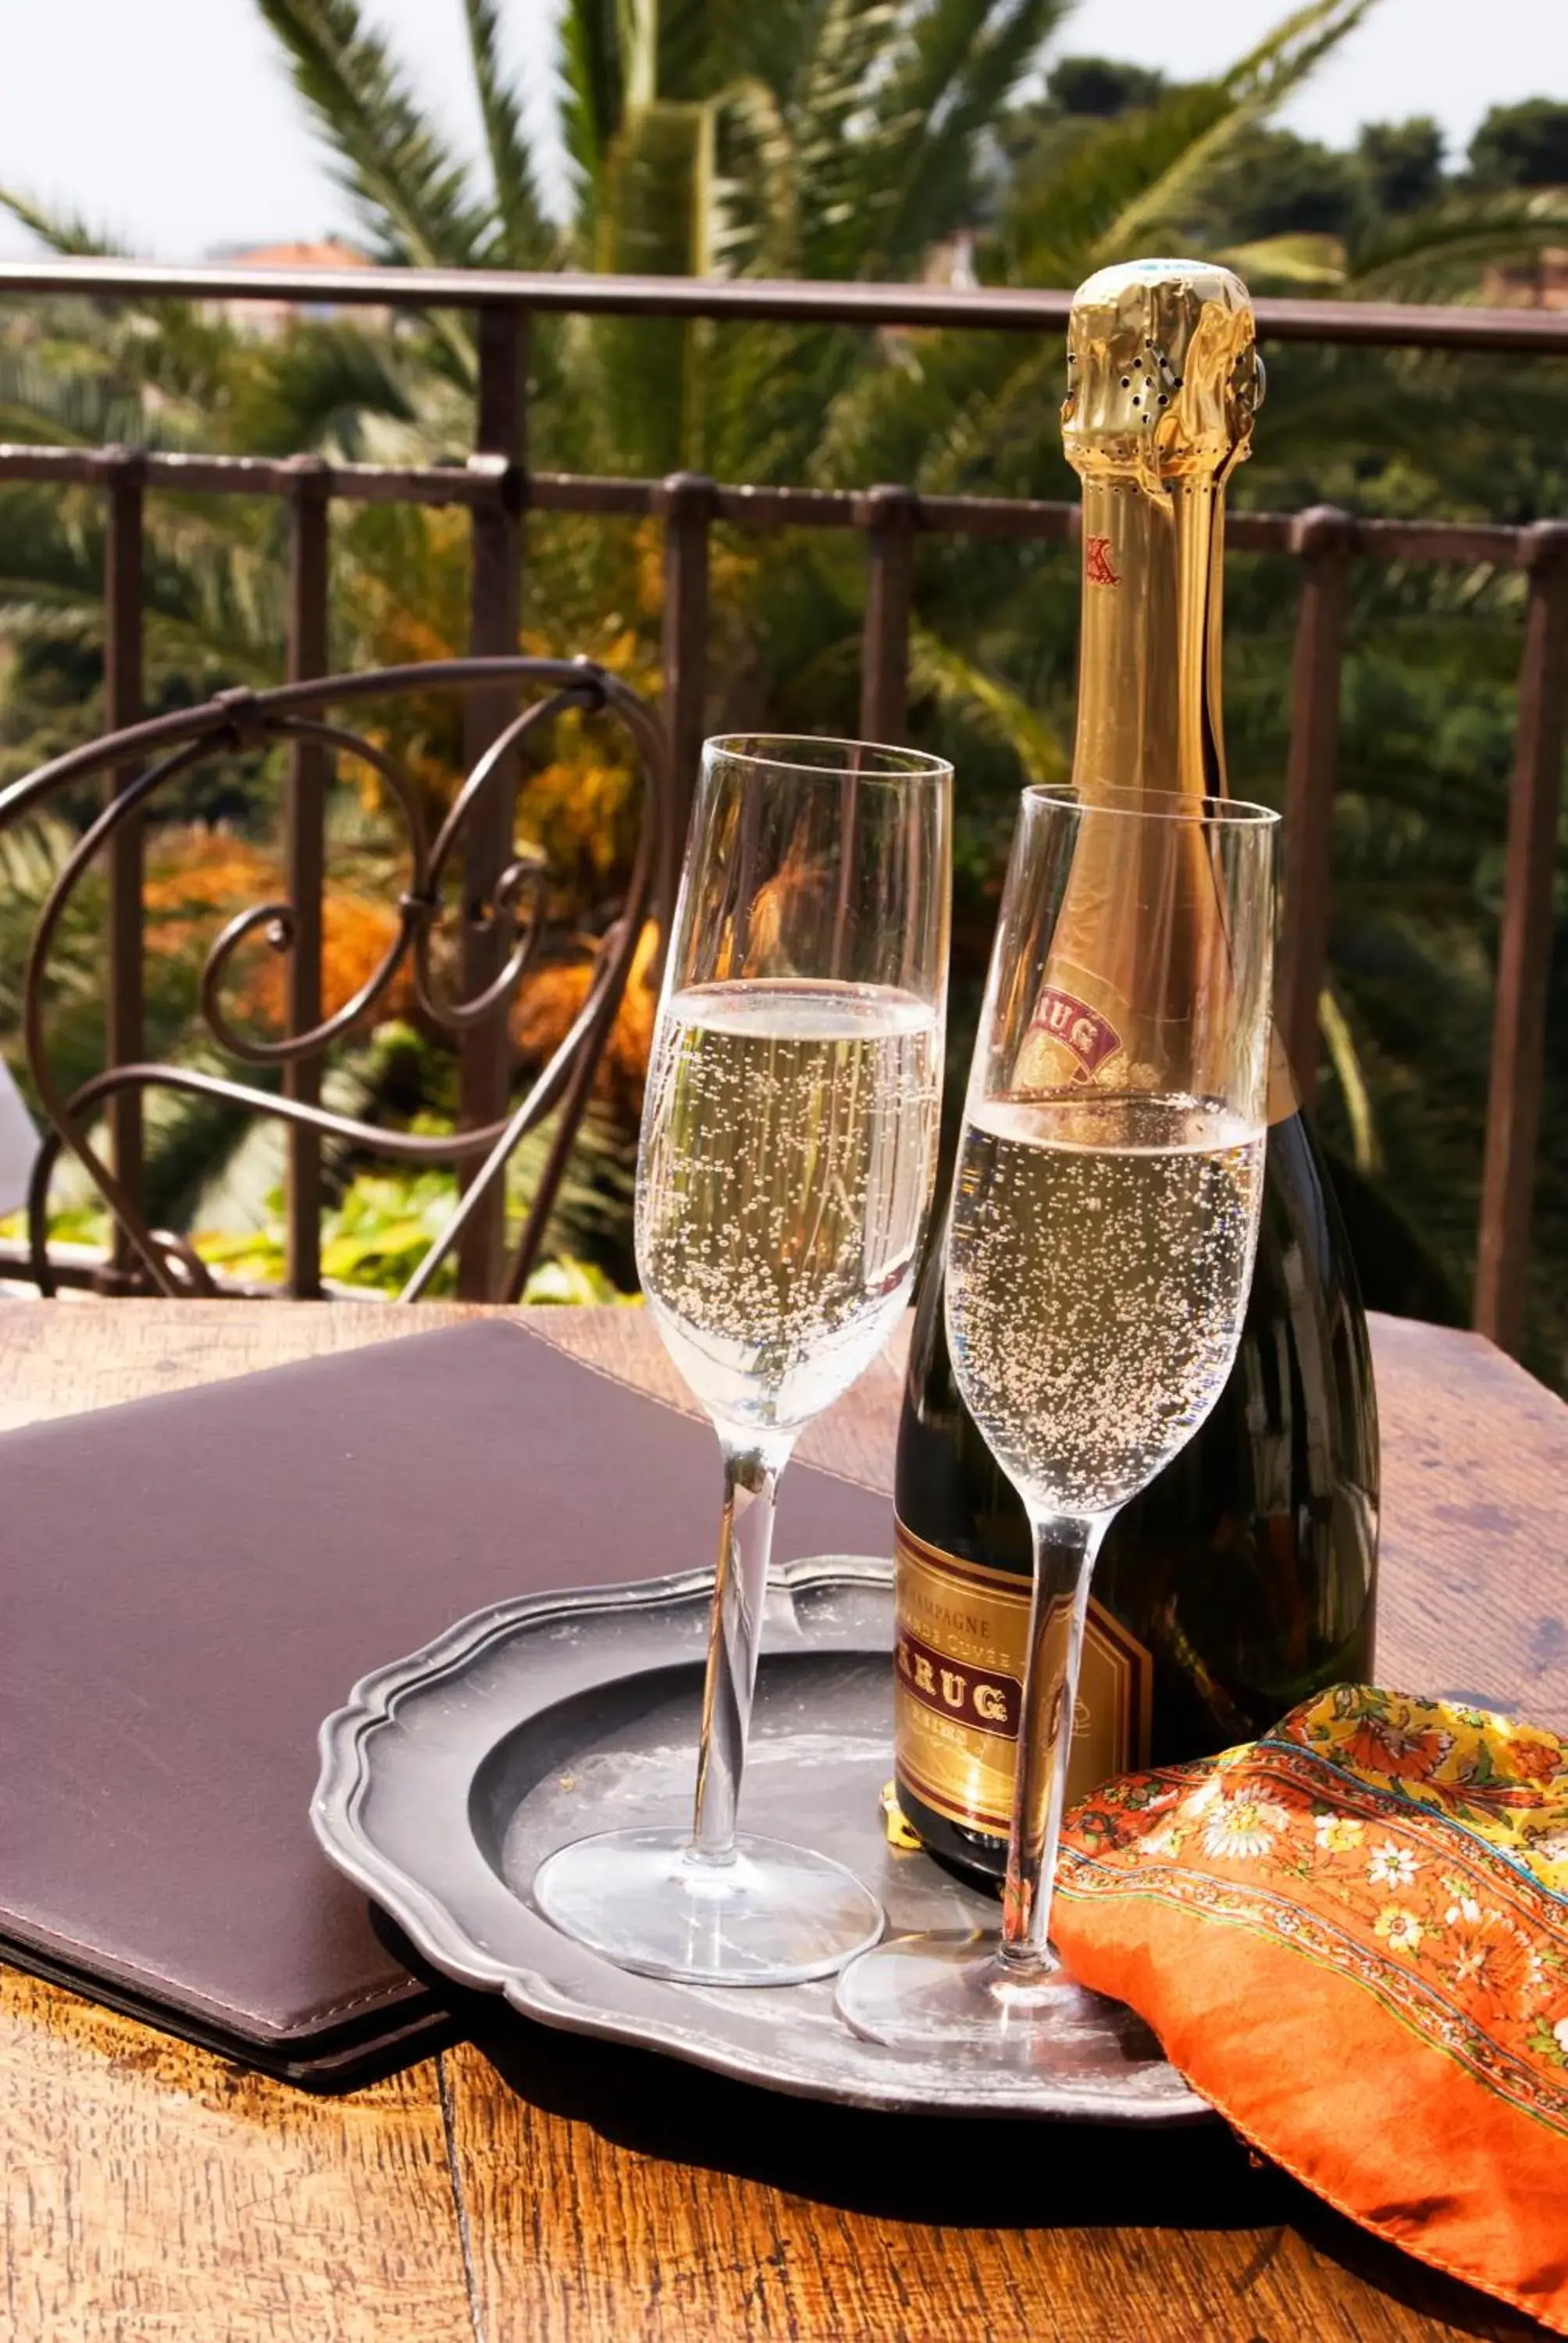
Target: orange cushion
(1353, 1938)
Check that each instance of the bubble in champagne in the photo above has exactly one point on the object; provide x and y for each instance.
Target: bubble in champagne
(788, 1154)
(1100, 1262)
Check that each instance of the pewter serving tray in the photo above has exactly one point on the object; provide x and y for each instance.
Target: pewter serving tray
(449, 1775)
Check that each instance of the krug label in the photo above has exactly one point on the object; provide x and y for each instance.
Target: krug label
(1078, 1033)
(1077, 1026)
(962, 1647)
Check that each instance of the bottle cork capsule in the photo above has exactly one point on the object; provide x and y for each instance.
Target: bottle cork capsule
(1163, 374)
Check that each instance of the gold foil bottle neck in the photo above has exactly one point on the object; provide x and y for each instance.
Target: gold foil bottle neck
(1163, 375)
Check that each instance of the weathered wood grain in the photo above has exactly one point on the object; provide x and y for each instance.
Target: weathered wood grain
(609, 2197)
(1475, 1548)
(62, 1358)
(154, 2193)
(157, 2195)
(1473, 1576)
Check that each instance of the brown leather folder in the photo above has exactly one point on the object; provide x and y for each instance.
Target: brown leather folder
(189, 1584)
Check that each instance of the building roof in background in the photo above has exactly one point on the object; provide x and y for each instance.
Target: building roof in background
(270, 315)
(328, 253)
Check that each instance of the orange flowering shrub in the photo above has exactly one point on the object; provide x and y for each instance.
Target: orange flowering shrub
(549, 1002)
(198, 879)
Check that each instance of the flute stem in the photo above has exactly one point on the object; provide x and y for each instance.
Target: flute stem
(1064, 1551)
(752, 1471)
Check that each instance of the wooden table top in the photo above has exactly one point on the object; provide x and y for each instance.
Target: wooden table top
(530, 2188)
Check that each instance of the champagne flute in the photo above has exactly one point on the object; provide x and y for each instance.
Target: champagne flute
(784, 1183)
(1100, 1252)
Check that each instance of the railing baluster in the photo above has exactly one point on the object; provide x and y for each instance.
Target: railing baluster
(125, 1019)
(686, 501)
(1320, 539)
(305, 861)
(1524, 946)
(495, 610)
(496, 488)
(890, 515)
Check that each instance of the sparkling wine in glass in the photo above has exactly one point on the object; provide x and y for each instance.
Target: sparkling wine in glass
(1099, 1252)
(784, 1182)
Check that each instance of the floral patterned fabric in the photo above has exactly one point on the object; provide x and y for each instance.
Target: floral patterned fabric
(1353, 1936)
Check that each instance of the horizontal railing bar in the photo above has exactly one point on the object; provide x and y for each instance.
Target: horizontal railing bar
(1450, 540)
(263, 476)
(748, 507)
(770, 507)
(582, 492)
(992, 308)
(1389, 540)
(999, 517)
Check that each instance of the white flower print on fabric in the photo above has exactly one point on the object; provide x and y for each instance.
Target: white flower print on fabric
(1392, 1865)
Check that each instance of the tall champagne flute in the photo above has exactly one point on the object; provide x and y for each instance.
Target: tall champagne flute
(1099, 1252)
(784, 1182)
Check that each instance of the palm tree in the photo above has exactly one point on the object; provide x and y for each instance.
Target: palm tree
(816, 138)
(848, 138)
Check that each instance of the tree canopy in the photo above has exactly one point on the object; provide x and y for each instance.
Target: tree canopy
(1523, 145)
(859, 139)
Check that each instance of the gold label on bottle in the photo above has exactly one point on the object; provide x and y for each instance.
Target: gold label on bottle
(1078, 1029)
(962, 1647)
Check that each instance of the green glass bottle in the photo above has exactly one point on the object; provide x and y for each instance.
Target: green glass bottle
(1243, 1578)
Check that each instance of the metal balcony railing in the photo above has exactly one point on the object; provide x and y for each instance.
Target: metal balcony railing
(498, 490)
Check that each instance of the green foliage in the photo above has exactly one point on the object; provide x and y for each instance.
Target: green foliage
(384, 1223)
(860, 138)
(375, 1240)
(1522, 146)
(1401, 163)
(371, 1244)
(1273, 183)
(1101, 85)
(522, 238)
(410, 193)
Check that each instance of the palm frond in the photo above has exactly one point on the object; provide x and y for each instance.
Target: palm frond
(411, 192)
(851, 35)
(33, 856)
(1128, 183)
(524, 239)
(1375, 431)
(962, 684)
(1316, 264)
(1066, 211)
(318, 387)
(1440, 253)
(208, 590)
(1282, 60)
(63, 232)
(956, 67)
(759, 227)
(593, 85)
(1253, 88)
(48, 405)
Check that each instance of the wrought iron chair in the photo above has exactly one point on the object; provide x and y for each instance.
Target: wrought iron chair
(509, 914)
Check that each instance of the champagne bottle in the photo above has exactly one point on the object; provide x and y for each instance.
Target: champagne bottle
(1243, 1578)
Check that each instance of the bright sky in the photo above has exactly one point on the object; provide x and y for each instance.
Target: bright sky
(169, 122)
